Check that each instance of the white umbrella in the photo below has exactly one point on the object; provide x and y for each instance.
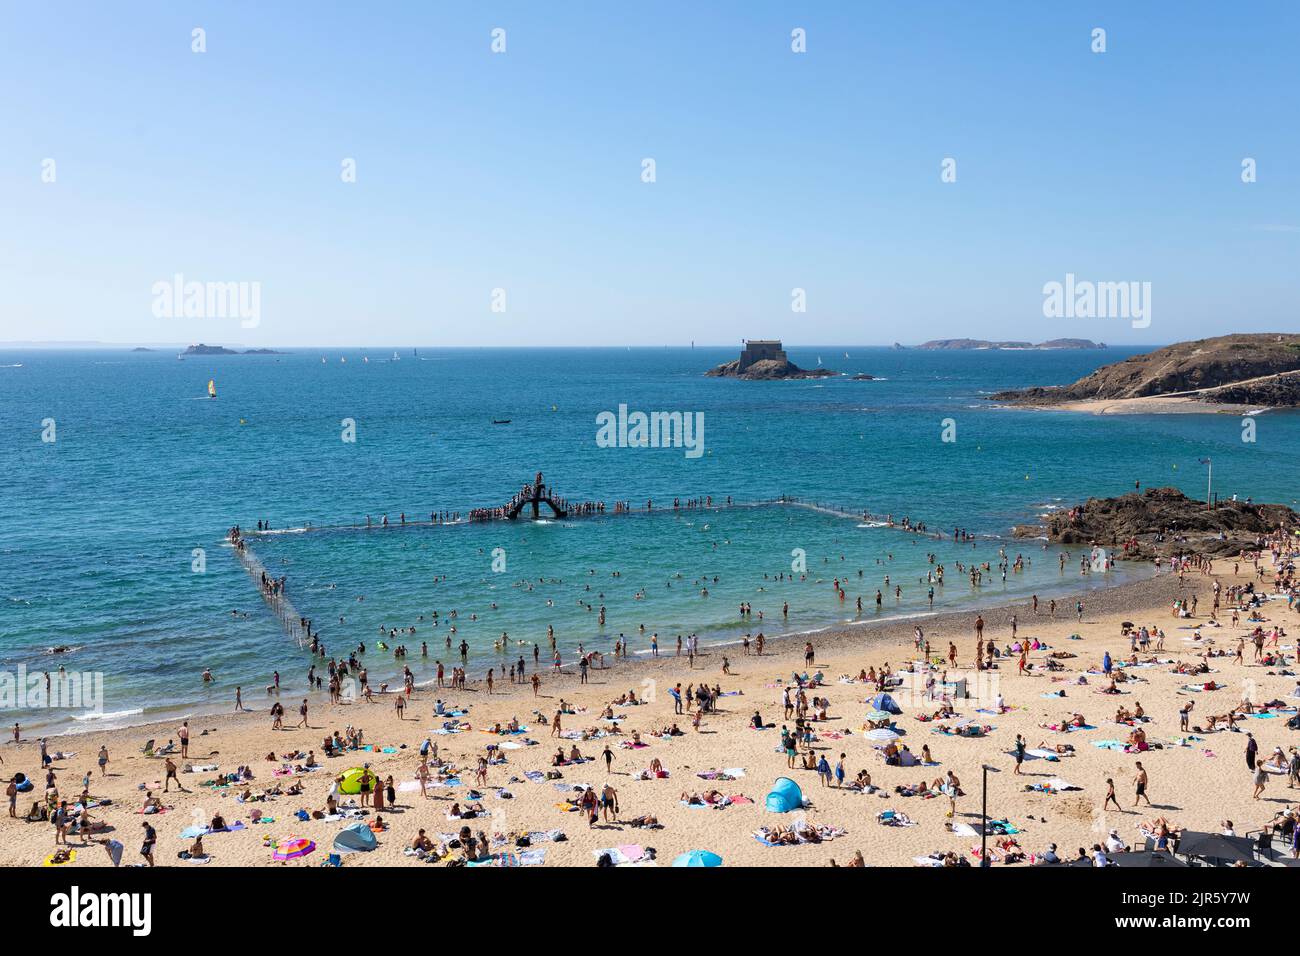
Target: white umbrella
(881, 735)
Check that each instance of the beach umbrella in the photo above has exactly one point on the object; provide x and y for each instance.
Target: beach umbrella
(698, 858)
(881, 735)
(1216, 846)
(879, 715)
(1141, 859)
(292, 849)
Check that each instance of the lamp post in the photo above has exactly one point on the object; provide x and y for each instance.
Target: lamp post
(1209, 480)
(984, 813)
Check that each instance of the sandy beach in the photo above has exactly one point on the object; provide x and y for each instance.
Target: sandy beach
(1154, 405)
(1196, 780)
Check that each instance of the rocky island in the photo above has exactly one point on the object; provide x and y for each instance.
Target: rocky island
(765, 360)
(1230, 373)
(1162, 521)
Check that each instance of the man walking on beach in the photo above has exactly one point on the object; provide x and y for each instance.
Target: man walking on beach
(1140, 782)
(183, 733)
(303, 713)
(170, 766)
(1020, 752)
(150, 838)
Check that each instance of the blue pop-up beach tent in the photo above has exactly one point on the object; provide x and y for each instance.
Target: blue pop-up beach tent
(357, 838)
(886, 703)
(785, 796)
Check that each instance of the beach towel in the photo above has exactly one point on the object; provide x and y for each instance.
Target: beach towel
(1043, 753)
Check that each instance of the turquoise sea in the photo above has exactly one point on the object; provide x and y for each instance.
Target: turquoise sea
(102, 524)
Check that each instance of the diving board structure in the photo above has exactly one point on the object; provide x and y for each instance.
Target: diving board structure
(534, 496)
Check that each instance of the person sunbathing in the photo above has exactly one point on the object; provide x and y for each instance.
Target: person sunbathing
(862, 783)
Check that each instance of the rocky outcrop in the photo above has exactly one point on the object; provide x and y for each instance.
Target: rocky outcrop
(1227, 369)
(767, 370)
(1162, 521)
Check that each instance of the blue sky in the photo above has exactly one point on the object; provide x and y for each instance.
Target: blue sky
(522, 170)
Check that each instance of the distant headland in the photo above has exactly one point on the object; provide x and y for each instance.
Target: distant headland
(1230, 373)
(765, 360)
(979, 344)
(202, 349)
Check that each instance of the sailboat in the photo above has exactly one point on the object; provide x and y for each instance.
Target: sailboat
(343, 360)
(365, 359)
(212, 388)
(396, 357)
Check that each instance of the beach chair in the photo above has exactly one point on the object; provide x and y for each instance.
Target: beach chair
(147, 749)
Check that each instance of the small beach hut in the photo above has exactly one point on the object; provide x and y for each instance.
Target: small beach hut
(784, 797)
(357, 838)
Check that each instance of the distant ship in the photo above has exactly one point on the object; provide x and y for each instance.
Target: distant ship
(500, 421)
(212, 388)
